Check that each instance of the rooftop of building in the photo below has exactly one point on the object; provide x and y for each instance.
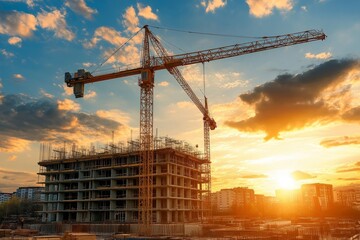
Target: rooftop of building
(53, 153)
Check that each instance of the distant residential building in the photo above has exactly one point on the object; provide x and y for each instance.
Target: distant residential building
(317, 196)
(349, 197)
(4, 197)
(226, 199)
(31, 193)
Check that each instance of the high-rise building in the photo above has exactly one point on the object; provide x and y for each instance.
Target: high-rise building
(30, 193)
(4, 197)
(317, 196)
(227, 199)
(84, 186)
(348, 197)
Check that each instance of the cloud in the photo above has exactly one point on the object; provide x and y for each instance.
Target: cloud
(163, 84)
(107, 34)
(349, 179)
(90, 94)
(12, 157)
(340, 141)
(299, 175)
(25, 119)
(68, 91)
(352, 115)
(212, 5)
(6, 53)
(18, 76)
(89, 64)
(146, 12)
(15, 41)
(127, 55)
(263, 8)
(323, 55)
(80, 7)
(292, 102)
(304, 8)
(249, 176)
(30, 3)
(11, 180)
(68, 105)
(12, 144)
(354, 167)
(46, 94)
(185, 104)
(230, 80)
(17, 24)
(55, 21)
(131, 20)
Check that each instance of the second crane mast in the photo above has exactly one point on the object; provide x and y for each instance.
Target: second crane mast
(146, 82)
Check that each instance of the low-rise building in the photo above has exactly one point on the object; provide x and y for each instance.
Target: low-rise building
(348, 197)
(4, 197)
(31, 193)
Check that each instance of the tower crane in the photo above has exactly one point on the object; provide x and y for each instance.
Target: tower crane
(150, 64)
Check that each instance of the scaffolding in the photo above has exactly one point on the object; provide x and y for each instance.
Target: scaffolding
(92, 184)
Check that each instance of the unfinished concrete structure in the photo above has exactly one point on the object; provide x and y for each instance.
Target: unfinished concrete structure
(82, 185)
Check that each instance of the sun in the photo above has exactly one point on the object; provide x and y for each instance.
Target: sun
(284, 180)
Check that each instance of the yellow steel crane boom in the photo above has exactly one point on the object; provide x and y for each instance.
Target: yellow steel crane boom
(146, 82)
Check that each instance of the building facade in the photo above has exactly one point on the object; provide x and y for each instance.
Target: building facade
(4, 197)
(105, 187)
(348, 197)
(30, 193)
(317, 196)
(229, 199)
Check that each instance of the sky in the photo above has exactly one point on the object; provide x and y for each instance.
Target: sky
(285, 117)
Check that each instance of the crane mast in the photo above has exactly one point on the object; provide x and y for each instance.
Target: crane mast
(146, 82)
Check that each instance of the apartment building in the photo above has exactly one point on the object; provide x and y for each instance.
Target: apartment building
(104, 187)
(4, 197)
(317, 195)
(227, 199)
(30, 193)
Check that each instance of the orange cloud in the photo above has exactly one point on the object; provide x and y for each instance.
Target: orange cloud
(163, 84)
(212, 5)
(13, 144)
(68, 105)
(80, 7)
(263, 8)
(15, 41)
(293, 102)
(146, 12)
(55, 21)
(340, 141)
(11, 180)
(18, 76)
(323, 55)
(17, 23)
(90, 94)
(131, 20)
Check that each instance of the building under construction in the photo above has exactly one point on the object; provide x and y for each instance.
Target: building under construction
(84, 185)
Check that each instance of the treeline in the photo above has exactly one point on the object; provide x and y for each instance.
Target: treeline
(19, 207)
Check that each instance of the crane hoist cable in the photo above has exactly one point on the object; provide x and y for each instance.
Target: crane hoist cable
(205, 33)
